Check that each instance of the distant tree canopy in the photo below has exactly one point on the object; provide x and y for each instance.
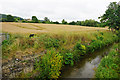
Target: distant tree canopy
(10, 18)
(89, 22)
(72, 23)
(64, 22)
(55, 22)
(46, 20)
(112, 16)
(16, 19)
(34, 19)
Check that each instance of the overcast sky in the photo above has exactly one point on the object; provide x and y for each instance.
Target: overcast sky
(56, 10)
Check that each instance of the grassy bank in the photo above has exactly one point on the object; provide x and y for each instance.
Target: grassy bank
(59, 49)
(110, 65)
(22, 44)
(72, 55)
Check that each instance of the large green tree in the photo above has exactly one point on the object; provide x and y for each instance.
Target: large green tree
(34, 19)
(112, 16)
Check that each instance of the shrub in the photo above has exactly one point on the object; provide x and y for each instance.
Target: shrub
(69, 59)
(50, 65)
(79, 51)
(94, 46)
(80, 48)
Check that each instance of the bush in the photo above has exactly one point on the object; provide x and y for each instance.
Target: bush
(69, 59)
(79, 51)
(94, 46)
(80, 48)
(50, 65)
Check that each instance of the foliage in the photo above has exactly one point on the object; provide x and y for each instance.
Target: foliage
(112, 16)
(80, 48)
(100, 38)
(109, 66)
(63, 53)
(64, 22)
(55, 22)
(10, 18)
(101, 41)
(94, 46)
(46, 20)
(34, 19)
(51, 43)
(79, 51)
(89, 22)
(69, 59)
(6, 44)
(50, 65)
(72, 23)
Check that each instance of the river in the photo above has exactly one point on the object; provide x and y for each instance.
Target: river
(86, 67)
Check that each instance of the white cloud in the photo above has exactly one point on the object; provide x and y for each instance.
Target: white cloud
(56, 10)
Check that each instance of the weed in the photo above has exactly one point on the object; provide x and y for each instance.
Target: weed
(50, 65)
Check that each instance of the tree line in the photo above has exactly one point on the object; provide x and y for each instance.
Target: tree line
(90, 22)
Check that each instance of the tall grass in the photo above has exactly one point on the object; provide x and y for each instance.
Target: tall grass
(41, 42)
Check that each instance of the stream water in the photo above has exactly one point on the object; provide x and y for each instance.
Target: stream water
(85, 68)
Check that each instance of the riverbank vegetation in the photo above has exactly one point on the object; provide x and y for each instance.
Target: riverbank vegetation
(79, 50)
(41, 42)
(109, 66)
(59, 50)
